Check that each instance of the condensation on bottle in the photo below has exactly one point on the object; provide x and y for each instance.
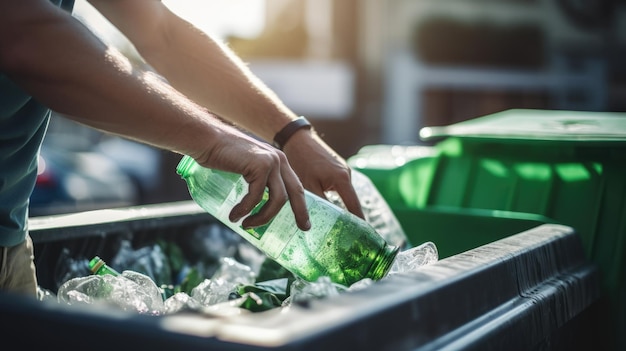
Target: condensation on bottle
(375, 209)
(339, 244)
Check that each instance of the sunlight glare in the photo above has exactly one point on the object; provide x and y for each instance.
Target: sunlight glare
(242, 18)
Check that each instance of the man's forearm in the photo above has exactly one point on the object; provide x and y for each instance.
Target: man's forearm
(116, 97)
(209, 73)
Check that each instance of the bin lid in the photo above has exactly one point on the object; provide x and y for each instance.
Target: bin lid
(546, 125)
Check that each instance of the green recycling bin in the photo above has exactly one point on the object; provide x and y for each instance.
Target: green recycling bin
(522, 167)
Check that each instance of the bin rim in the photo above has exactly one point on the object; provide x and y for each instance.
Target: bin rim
(515, 125)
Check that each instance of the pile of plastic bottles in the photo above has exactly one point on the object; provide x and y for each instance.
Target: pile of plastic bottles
(242, 281)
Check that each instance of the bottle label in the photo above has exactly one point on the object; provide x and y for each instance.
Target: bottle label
(280, 232)
(270, 238)
(234, 197)
(275, 235)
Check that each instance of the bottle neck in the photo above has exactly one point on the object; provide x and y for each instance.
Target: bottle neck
(96, 267)
(184, 166)
(99, 267)
(383, 262)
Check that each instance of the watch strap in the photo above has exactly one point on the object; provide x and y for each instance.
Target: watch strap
(289, 130)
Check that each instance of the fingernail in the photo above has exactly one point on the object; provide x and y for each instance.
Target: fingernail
(307, 225)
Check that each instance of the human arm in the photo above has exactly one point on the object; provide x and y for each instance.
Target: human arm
(61, 63)
(210, 74)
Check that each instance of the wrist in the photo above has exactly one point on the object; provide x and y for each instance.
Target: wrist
(289, 130)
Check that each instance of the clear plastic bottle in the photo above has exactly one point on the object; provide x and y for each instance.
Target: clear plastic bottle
(129, 289)
(339, 244)
(375, 209)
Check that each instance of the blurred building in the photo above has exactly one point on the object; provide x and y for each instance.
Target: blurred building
(376, 71)
(400, 65)
(448, 61)
(308, 54)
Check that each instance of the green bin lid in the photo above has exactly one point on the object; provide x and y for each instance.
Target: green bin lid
(545, 125)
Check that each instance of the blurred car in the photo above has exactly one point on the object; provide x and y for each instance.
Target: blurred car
(79, 180)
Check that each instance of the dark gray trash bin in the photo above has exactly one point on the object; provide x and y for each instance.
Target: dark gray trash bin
(531, 291)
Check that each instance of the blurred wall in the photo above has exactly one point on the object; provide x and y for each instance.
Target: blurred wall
(376, 71)
(440, 62)
(308, 54)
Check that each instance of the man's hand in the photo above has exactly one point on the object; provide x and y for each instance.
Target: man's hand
(262, 166)
(321, 169)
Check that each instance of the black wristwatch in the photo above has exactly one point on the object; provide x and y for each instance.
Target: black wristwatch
(284, 134)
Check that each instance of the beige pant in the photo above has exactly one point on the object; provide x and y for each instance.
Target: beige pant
(17, 268)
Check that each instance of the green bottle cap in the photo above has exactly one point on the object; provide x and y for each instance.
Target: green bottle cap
(99, 267)
(95, 264)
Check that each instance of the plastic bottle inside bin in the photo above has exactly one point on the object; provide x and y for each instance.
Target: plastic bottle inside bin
(130, 290)
(339, 244)
(99, 267)
(375, 209)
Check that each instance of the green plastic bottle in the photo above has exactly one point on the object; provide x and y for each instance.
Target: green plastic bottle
(339, 244)
(99, 267)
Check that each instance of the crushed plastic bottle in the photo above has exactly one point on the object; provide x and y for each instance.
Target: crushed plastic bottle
(129, 290)
(179, 302)
(150, 260)
(231, 289)
(361, 284)
(414, 258)
(210, 291)
(234, 272)
(228, 276)
(323, 287)
(133, 291)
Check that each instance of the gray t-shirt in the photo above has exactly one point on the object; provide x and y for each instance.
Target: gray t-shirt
(23, 123)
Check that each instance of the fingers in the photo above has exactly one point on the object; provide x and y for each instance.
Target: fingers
(274, 200)
(341, 183)
(282, 185)
(253, 201)
(350, 199)
(347, 194)
(345, 190)
(298, 201)
(321, 170)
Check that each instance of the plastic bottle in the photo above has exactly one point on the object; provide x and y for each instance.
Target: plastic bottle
(339, 244)
(130, 289)
(99, 267)
(375, 209)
